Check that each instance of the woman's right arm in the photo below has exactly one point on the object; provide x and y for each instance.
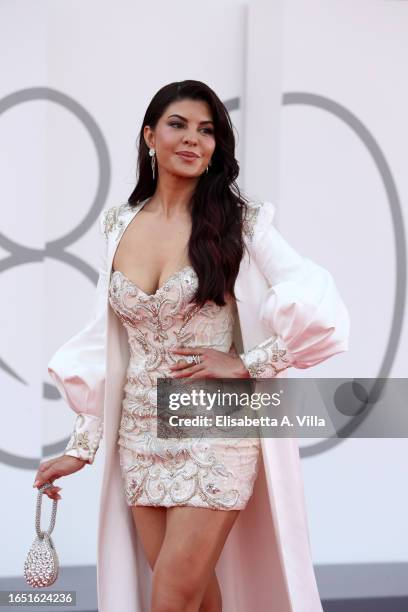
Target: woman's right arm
(78, 369)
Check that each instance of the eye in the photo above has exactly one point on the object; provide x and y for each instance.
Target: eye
(177, 123)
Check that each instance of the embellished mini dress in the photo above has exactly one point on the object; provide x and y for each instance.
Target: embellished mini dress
(207, 472)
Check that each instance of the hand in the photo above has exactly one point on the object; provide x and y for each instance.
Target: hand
(213, 364)
(55, 468)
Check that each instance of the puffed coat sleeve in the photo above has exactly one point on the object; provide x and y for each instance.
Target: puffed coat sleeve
(302, 311)
(77, 368)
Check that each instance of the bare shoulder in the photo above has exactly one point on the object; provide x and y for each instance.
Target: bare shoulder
(258, 213)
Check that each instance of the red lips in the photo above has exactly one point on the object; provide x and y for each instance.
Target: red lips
(187, 153)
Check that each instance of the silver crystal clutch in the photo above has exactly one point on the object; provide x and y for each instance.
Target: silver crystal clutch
(41, 564)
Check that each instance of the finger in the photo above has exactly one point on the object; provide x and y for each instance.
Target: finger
(46, 464)
(39, 481)
(201, 374)
(181, 371)
(47, 476)
(187, 350)
(180, 365)
(52, 490)
(41, 476)
(54, 495)
(187, 371)
(46, 473)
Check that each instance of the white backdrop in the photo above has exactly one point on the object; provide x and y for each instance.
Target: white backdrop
(109, 60)
(343, 149)
(103, 65)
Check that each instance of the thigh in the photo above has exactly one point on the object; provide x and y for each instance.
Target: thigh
(193, 542)
(150, 524)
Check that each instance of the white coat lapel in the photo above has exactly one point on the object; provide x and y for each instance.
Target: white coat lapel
(117, 221)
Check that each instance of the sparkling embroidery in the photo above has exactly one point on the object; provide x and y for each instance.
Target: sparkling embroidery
(85, 438)
(82, 440)
(109, 219)
(211, 473)
(250, 219)
(267, 359)
(114, 218)
(172, 474)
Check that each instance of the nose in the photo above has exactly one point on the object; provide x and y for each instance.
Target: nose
(190, 138)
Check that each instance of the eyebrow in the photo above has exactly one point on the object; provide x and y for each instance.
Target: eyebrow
(184, 119)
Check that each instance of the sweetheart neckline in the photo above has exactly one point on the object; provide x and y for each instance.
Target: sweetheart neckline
(150, 295)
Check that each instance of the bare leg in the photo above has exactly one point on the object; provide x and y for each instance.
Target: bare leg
(150, 523)
(184, 568)
(212, 600)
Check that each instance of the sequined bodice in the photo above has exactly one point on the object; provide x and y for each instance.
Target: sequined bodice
(162, 320)
(214, 473)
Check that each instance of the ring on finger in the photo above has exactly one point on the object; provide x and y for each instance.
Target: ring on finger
(189, 359)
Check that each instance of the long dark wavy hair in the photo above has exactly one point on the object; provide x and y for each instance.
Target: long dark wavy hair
(218, 209)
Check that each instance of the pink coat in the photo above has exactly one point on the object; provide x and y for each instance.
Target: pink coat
(266, 562)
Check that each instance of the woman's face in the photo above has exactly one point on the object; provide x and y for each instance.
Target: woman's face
(186, 125)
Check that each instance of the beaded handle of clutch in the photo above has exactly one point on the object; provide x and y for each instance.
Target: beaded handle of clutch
(42, 564)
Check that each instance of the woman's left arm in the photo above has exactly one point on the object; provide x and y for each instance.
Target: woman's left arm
(302, 311)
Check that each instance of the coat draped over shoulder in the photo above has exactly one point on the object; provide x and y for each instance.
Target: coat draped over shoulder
(290, 314)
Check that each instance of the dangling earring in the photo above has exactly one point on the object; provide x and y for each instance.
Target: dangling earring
(206, 170)
(152, 154)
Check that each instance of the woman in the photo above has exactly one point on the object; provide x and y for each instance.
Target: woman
(190, 265)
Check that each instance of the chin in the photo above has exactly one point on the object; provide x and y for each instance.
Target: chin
(187, 174)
